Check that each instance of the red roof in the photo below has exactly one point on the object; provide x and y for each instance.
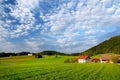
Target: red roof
(95, 59)
(83, 57)
(105, 57)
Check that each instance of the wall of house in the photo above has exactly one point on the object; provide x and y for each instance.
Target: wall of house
(87, 60)
(29, 54)
(83, 60)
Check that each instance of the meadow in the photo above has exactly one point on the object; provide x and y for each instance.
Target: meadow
(52, 68)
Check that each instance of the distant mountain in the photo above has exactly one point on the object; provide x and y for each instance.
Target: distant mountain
(109, 46)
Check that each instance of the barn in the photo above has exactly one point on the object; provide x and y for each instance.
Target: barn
(83, 59)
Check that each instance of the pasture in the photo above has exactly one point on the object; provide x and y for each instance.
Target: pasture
(52, 68)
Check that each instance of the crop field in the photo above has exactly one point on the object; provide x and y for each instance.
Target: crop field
(52, 68)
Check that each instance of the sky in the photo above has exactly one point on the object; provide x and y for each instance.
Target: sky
(68, 26)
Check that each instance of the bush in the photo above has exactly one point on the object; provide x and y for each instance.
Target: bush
(74, 60)
(118, 61)
(38, 56)
(67, 61)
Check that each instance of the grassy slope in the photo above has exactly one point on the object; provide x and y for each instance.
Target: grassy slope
(51, 68)
(109, 46)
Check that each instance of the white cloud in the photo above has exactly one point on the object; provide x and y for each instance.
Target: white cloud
(71, 26)
(87, 20)
(107, 3)
(117, 11)
(28, 4)
(117, 1)
(22, 12)
(6, 46)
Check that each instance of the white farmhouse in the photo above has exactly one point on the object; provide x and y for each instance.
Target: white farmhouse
(83, 59)
(30, 54)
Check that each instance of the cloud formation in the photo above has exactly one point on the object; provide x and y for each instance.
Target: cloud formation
(83, 23)
(66, 26)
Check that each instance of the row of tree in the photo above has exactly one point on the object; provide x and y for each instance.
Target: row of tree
(49, 53)
(3, 54)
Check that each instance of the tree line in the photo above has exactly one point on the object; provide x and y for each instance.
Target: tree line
(7, 54)
(49, 53)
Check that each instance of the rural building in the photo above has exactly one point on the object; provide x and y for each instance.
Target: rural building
(96, 60)
(105, 58)
(83, 59)
(29, 54)
(118, 56)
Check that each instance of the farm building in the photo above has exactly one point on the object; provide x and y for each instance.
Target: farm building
(95, 60)
(105, 58)
(83, 59)
(29, 54)
(118, 56)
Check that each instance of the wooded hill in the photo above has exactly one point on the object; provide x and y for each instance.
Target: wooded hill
(48, 52)
(109, 46)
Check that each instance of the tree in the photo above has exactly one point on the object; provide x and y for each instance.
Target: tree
(23, 53)
(67, 61)
(38, 55)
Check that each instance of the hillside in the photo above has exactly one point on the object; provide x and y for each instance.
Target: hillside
(109, 46)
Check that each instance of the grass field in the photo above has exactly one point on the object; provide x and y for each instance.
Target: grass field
(51, 68)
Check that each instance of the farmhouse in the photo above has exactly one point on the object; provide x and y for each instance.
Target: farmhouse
(95, 60)
(29, 54)
(105, 58)
(83, 59)
(118, 56)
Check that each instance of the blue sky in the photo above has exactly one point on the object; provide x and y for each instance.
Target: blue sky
(62, 25)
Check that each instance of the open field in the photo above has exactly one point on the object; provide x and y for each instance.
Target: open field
(52, 68)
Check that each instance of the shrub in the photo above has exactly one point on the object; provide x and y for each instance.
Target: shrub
(67, 61)
(118, 61)
(38, 55)
(74, 60)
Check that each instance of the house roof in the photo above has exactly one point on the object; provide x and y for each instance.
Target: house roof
(106, 56)
(118, 56)
(95, 59)
(83, 57)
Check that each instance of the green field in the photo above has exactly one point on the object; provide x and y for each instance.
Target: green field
(52, 68)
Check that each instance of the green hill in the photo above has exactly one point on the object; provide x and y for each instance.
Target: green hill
(48, 52)
(109, 46)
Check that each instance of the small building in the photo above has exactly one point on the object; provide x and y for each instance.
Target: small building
(83, 59)
(30, 54)
(95, 60)
(105, 58)
(118, 56)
